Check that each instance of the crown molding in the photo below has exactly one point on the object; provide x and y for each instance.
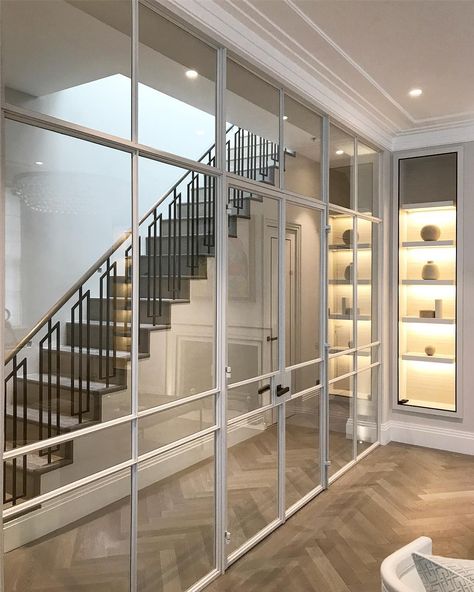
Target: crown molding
(435, 135)
(217, 23)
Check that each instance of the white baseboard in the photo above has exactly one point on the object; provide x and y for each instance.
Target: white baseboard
(436, 437)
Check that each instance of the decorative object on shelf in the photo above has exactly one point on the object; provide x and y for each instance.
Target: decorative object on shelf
(430, 232)
(348, 236)
(438, 308)
(430, 271)
(430, 350)
(343, 305)
(427, 314)
(348, 272)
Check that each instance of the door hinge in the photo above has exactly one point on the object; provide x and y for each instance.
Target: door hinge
(327, 463)
(227, 537)
(327, 229)
(228, 372)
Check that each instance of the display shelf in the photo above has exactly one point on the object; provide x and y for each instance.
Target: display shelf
(433, 205)
(338, 349)
(422, 357)
(428, 244)
(425, 185)
(428, 320)
(346, 317)
(349, 282)
(344, 247)
(427, 404)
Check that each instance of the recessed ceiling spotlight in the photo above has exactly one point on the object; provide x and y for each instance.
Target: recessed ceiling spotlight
(415, 92)
(339, 152)
(191, 74)
(285, 117)
(39, 162)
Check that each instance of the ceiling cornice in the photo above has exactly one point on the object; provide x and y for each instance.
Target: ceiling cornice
(213, 20)
(325, 89)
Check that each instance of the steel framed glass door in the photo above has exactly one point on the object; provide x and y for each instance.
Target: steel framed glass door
(273, 352)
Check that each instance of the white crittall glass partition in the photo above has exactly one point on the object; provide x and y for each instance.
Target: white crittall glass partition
(191, 264)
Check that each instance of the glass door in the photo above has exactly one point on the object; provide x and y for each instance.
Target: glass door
(253, 338)
(274, 356)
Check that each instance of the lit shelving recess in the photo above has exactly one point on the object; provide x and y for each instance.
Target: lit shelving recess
(427, 282)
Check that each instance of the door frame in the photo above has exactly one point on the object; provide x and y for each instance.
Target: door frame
(279, 375)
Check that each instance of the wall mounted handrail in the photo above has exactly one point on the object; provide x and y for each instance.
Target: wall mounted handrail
(93, 268)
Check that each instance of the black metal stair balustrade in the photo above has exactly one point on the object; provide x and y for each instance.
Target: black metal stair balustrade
(169, 256)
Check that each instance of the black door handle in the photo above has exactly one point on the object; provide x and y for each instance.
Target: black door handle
(281, 390)
(271, 338)
(262, 389)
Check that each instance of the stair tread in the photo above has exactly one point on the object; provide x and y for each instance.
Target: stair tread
(66, 382)
(121, 324)
(35, 462)
(32, 414)
(123, 355)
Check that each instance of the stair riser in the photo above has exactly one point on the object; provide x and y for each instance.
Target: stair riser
(174, 266)
(70, 364)
(120, 314)
(184, 245)
(33, 481)
(121, 339)
(33, 401)
(147, 285)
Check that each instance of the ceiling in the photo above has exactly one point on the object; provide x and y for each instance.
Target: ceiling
(364, 56)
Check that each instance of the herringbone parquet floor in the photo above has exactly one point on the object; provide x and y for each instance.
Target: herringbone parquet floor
(334, 544)
(337, 542)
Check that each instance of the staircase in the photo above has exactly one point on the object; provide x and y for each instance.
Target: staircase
(71, 367)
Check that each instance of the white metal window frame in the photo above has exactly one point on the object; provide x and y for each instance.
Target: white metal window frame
(219, 430)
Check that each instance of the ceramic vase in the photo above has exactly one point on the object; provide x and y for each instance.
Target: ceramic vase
(430, 350)
(430, 271)
(348, 236)
(430, 232)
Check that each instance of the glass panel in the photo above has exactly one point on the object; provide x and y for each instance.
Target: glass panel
(79, 541)
(305, 378)
(252, 477)
(341, 168)
(253, 108)
(367, 179)
(427, 281)
(368, 356)
(252, 285)
(68, 202)
(177, 89)
(341, 424)
(303, 469)
(248, 397)
(366, 283)
(37, 473)
(302, 164)
(69, 60)
(340, 365)
(341, 272)
(302, 284)
(177, 283)
(176, 517)
(367, 402)
(165, 427)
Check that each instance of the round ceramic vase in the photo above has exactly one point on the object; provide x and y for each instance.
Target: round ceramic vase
(430, 232)
(430, 271)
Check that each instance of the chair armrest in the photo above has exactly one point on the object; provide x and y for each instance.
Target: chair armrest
(398, 563)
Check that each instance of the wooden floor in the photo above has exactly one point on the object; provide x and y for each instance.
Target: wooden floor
(334, 544)
(337, 542)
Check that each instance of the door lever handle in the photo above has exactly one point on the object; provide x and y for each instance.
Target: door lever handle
(282, 390)
(271, 338)
(262, 389)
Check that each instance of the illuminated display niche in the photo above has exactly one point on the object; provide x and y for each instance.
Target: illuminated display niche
(427, 282)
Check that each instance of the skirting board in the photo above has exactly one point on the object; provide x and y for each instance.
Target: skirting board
(429, 436)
